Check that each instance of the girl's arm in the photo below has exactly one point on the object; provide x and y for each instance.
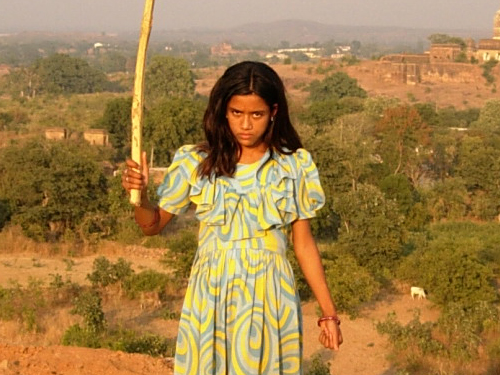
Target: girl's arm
(309, 260)
(148, 216)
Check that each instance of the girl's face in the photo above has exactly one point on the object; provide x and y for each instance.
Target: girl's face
(248, 117)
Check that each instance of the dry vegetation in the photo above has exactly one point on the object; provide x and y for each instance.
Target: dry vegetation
(22, 260)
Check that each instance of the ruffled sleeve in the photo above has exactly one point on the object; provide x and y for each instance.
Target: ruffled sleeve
(175, 189)
(309, 195)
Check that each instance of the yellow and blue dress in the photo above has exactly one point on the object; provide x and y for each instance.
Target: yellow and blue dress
(241, 313)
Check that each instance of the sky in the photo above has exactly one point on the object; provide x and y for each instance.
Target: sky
(125, 15)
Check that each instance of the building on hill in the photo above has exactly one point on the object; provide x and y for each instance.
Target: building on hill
(221, 49)
(443, 62)
(489, 49)
(444, 52)
(56, 133)
(98, 137)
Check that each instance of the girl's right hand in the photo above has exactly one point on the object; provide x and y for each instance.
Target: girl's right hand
(136, 176)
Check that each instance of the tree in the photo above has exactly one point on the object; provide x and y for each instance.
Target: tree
(478, 164)
(375, 106)
(447, 39)
(344, 156)
(404, 138)
(22, 83)
(488, 117)
(323, 113)
(62, 74)
(447, 199)
(112, 62)
(451, 271)
(168, 76)
(51, 187)
(351, 284)
(337, 85)
(372, 229)
(116, 119)
(444, 155)
(172, 123)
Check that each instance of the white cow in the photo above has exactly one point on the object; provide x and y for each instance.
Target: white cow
(417, 291)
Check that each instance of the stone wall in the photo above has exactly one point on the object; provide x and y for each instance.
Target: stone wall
(97, 137)
(412, 74)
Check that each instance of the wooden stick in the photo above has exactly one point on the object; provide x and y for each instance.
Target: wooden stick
(138, 97)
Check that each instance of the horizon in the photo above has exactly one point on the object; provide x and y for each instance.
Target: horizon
(100, 15)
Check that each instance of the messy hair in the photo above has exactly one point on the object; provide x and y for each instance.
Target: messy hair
(221, 147)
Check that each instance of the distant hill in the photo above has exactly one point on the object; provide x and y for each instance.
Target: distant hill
(268, 34)
(304, 32)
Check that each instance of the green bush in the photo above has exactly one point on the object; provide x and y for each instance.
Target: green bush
(78, 336)
(414, 338)
(4, 213)
(182, 249)
(301, 285)
(105, 273)
(148, 281)
(7, 311)
(451, 271)
(131, 342)
(318, 367)
(350, 284)
(121, 339)
(89, 306)
(463, 327)
(24, 304)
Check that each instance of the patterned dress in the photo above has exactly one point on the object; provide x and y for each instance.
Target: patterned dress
(241, 313)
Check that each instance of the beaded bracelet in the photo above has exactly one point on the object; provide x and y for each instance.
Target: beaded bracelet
(331, 317)
(155, 221)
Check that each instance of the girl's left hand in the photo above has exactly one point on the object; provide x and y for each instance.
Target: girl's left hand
(331, 335)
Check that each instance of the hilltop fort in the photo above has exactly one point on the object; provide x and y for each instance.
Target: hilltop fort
(444, 62)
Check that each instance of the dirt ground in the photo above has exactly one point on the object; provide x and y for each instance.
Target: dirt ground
(364, 351)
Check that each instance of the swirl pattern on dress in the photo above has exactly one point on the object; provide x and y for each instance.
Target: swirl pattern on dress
(241, 314)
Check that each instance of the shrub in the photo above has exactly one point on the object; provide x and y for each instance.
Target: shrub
(463, 327)
(105, 273)
(450, 269)
(413, 338)
(351, 285)
(182, 249)
(147, 281)
(318, 367)
(4, 213)
(301, 285)
(131, 342)
(89, 306)
(78, 336)
(6, 304)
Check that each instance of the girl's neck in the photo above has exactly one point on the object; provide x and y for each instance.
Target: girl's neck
(251, 155)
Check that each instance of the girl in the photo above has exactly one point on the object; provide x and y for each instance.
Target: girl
(251, 182)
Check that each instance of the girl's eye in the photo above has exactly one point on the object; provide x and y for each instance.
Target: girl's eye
(235, 112)
(257, 114)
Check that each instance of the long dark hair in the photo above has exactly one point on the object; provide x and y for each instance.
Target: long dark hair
(221, 147)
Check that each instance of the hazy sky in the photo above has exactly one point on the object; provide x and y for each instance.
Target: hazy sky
(119, 15)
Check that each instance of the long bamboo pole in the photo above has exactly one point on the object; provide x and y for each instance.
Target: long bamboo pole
(138, 97)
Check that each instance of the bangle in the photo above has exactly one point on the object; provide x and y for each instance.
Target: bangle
(335, 318)
(155, 221)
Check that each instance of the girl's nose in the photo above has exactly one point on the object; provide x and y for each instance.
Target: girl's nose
(246, 123)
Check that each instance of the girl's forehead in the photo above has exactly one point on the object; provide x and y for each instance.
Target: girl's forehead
(250, 101)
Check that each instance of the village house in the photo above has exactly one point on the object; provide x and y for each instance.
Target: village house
(56, 133)
(98, 137)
